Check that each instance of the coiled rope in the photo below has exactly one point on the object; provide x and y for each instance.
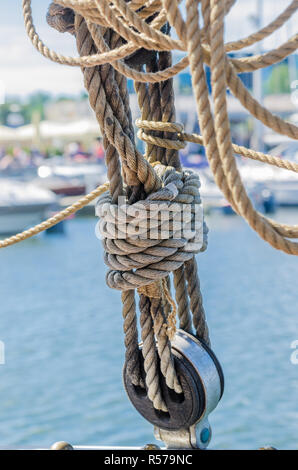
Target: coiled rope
(118, 39)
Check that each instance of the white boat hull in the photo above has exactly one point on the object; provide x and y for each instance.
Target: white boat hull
(16, 219)
(22, 205)
(283, 184)
(286, 194)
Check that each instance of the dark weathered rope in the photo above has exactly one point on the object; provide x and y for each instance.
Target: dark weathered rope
(150, 354)
(109, 98)
(114, 86)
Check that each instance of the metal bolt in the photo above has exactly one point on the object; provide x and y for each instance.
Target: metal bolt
(61, 446)
(150, 447)
(205, 435)
(267, 448)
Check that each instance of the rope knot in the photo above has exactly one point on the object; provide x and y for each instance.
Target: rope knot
(61, 18)
(146, 241)
(175, 143)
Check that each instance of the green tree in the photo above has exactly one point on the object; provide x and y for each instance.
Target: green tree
(279, 81)
(35, 103)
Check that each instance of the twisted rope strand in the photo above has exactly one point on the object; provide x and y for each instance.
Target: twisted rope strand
(112, 36)
(263, 33)
(243, 64)
(260, 224)
(45, 225)
(285, 230)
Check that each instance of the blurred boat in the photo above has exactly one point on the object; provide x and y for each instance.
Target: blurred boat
(283, 183)
(71, 179)
(263, 199)
(212, 197)
(22, 205)
(47, 131)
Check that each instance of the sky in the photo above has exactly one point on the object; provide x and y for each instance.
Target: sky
(23, 70)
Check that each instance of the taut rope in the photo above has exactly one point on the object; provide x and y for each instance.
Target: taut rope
(118, 39)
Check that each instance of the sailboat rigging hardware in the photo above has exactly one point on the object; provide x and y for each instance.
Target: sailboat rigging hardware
(185, 425)
(118, 39)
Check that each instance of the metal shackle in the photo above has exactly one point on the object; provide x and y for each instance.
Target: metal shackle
(209, 371)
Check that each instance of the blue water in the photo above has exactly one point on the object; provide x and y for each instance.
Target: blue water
(62, 330)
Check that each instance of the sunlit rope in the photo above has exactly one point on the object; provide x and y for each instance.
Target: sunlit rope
(132, 40)
(166, 143)
(201, 45)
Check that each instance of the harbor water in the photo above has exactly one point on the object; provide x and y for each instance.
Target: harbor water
(61, 327)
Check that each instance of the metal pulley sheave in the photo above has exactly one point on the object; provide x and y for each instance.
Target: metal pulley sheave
(185, 425)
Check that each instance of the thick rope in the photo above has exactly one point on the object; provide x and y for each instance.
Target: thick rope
(150, 355)
(138, 259)
(182, 136)
(128, 304)
(130, 330)
(135, 43)
(118, 39)
(149, 99)
(278, 162)
(263, 226)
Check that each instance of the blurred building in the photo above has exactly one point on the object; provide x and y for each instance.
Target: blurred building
(66, 110)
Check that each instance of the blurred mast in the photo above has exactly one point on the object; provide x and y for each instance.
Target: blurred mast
(292, 57)
(36, 118)
(257, 139)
